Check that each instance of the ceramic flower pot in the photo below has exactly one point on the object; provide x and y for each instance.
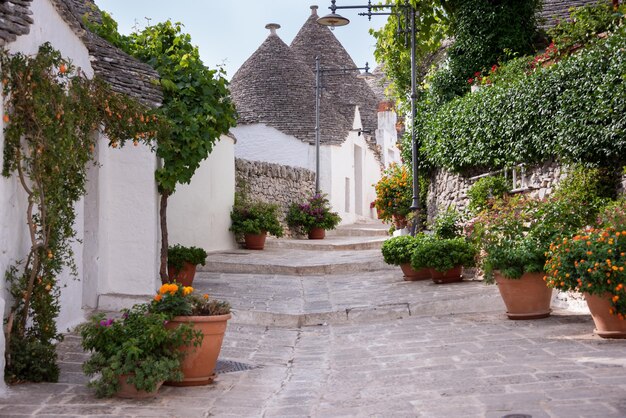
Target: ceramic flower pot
(411, 274)
(183, 276)
(199, 362)
(317, 233)
(607, 324)
(255, 241)
(451, 276)
(525, 298)
(129, 391)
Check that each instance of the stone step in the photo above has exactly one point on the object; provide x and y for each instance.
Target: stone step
(330, 243)
(294, 262)
(377, 229)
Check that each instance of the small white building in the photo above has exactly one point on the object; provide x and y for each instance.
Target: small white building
(274, 91)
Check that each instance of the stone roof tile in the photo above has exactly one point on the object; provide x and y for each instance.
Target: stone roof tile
(554, 10)
(275, 88)
(15, 19)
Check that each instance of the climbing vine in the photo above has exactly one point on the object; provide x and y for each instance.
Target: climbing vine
(51, 114)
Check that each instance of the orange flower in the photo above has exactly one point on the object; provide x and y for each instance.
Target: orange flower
(6, 118)
(206, 296)
(158, 298)
(187, 290)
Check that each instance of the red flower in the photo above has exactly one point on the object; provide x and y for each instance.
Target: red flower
(477, 74)
(494, 68)
(470, 81)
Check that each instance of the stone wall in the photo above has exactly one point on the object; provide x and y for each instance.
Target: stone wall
(449, 189)
(274, 183)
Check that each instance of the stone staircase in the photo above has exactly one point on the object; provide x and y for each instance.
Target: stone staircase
(341, 279)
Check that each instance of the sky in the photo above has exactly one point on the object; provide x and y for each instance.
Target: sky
(227, 32)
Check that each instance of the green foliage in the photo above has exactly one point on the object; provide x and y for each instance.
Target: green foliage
(177, 255)
(443, 254)
(398, 250)
(486, 189)
(196, 100)
(138, 344)
(173, 299)
(570, 111)
(447, 224)
(316, 213)
(253, 217)
(484, 31)
(584, 25)
(593, 261)
(51, 112)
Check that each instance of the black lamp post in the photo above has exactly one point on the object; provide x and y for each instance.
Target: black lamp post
(408, 12)
(318, 95)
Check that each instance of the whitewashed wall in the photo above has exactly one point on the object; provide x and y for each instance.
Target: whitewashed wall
(387, 137)
(199, 213)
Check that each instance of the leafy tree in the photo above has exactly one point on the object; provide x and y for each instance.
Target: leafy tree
(196, 104)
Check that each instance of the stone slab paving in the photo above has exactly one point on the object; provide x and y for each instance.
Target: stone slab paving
(464, 365)
(286, 300)
(330, 243)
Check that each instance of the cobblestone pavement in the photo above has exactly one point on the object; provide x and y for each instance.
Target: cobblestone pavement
(366, 343)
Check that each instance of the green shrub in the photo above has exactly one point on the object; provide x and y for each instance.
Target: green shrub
(254, 217)
(447, 224)
(398, 250)
(444, 254)
(486, 189)
(177, 255)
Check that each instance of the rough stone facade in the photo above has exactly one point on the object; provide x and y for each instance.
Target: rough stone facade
(449, 189)
(274, 183)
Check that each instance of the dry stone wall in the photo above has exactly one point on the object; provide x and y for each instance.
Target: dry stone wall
(274, 183)
(449, 189)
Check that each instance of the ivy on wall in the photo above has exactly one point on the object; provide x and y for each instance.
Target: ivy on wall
(572, 110)
(51, 114)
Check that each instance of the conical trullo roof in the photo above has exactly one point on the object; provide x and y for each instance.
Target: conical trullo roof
(345, 90)
(276, 88)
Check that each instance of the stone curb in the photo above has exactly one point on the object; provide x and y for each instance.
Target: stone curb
(373, 244)
(301, 270)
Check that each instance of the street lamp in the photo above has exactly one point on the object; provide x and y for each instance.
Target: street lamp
(410, 12)
(318, 95)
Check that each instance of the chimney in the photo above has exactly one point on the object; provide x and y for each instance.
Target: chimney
(272, 27)
(314, 10)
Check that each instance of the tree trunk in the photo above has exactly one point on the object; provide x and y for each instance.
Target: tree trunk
(164, 243)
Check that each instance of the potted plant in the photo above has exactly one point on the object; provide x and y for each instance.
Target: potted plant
(182, 262)
(394, 195)
(515, 233)
(254, 219)
(444, 257)
(133, 355)
(183, 307)
(312, 218)
(593, 262)
(397, 251)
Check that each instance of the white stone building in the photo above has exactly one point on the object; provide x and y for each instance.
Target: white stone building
(274, 91)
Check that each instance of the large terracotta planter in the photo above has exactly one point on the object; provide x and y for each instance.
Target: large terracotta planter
(129, 391)
(199, 362)
(451, 276)
(255, 241)
(411, 275)
(183, 276)
(607, 324)
(525, 298)
(317, 233)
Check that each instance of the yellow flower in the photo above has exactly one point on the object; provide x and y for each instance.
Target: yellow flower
(187, 290)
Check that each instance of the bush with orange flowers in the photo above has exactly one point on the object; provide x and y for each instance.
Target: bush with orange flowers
(593, 261)
(174, 299)
(394, 193)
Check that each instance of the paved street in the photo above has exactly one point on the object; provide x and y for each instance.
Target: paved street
(366, 343)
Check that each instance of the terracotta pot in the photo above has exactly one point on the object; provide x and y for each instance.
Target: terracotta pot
(183, 276)
(255, 241)
(525, 298)
(199, 362)
(451, 276)
(317, 233)
(399, 221)
(411, 275)
(129, 391)
(607, 324)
